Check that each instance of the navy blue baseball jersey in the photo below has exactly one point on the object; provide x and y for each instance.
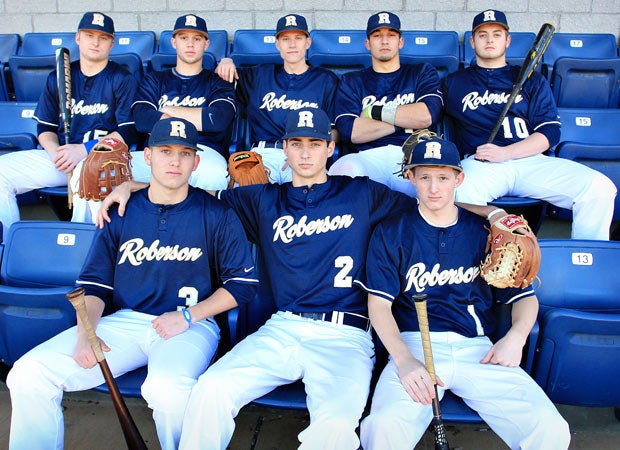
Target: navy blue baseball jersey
(409, 84)
(408, 256)
(268, 93)
(205, 90)
(314, 239)
(101, 104)
(475, 97)
(157, 258)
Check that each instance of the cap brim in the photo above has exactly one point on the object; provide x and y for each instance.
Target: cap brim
(368, 33)
(411, 166)
(182, 143)
(304, 133)
(190, 29)
(96, 29)
(278, 33)
(492, 23)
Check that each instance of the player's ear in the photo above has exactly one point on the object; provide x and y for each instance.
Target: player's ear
(173, 41)
(331, 146)
(147, 155)
(411, 175)
(308, 42)
(196, 161)
(508, 39)
(459, 179)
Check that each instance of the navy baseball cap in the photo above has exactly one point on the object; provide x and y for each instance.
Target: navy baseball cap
(97, 21)
(489, 16)
(308, 122)
(383, 19)
(435, 152)
(292, 22)
(174, 131)
(192, 23)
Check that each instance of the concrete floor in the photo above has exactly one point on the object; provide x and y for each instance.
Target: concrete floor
(90, 420)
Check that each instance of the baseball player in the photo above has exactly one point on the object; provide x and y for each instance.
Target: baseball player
(377, 107)
(190, 92)
(514, 163)
(436, 249)
(313, 233)
(174, 260)
(102, 91)
(269, 91)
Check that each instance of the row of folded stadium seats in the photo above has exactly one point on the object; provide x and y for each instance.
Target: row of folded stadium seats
(571, 352)
(583, 68)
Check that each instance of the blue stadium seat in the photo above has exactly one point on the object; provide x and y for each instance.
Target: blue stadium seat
(577, 353)
(130, 61)
(18, 130)
(251, 47)
(586, 137)
(29, 74)
(140, 42)
(339, 50)
(45, 44)
(520, 43)
(40, 263)
(8, 47)
(437, 48)
(586, 83)
(578, 45)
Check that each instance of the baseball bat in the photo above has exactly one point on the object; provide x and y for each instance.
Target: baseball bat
(133, 438)
(530, 62)
(439, 430)
(63, 79)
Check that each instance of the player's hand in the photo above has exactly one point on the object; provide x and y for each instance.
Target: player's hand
(67, 156)
(170, 324)
(83, 353)
(506, 352)
(492, 153)
(226, 70)
(120, 195)
(417, 381)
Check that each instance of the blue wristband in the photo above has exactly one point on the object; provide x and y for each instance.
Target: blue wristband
(90, 144)
(187, 316)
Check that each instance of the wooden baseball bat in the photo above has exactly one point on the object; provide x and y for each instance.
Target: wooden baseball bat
(439, 430)
(530, 62)
(133, 438)
(63, 79)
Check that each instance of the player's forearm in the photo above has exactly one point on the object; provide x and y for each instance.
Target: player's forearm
(50, 143)
(532, 145)
(367, 130)
(415, 116)
(221, 300)
(380, 313)
(94, 310)
(524, 313)
(482, 210)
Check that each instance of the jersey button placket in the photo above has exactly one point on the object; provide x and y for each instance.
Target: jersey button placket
(163, 219)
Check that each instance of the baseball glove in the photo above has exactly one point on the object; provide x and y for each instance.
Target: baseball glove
(513, 259)
(106, 166)
(246, 168)
(417, 136)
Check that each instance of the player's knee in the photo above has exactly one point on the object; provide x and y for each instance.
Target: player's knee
(604, 186)
(25, 375)
(347, 165)
(167, 392)
(552, 431)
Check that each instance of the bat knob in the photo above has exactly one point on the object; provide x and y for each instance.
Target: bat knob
(419, 297)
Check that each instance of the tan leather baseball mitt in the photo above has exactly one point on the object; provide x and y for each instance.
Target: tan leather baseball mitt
(513, 258)
(246, 168)
(107, 165)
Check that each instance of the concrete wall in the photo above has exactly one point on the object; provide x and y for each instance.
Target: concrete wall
(581, 16)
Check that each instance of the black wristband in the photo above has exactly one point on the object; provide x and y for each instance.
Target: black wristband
(375, 112)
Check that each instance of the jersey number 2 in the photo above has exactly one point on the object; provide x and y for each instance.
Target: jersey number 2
(342, 278)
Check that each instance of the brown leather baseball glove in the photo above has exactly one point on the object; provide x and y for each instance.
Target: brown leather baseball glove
(107, 165)
(513, 258)
(246, 168)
